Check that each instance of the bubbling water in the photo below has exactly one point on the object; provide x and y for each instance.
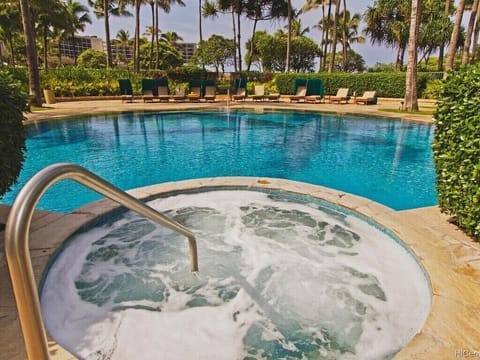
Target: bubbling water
(279, 279)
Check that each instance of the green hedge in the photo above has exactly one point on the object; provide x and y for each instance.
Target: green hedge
(456, 149)
(391, 84)
(77, 81)
(13, 102)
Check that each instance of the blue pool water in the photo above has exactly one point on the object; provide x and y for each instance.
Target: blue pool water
(388, 161)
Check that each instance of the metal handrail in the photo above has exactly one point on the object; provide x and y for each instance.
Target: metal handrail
(18, 254)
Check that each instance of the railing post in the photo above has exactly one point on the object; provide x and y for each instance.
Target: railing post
(17, 245)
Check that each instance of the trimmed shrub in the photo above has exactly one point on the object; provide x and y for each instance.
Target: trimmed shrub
(388, 84)
(456, 149)
(13, 102)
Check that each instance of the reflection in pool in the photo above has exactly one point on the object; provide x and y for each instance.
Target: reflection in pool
(281, 277)
(388, 161)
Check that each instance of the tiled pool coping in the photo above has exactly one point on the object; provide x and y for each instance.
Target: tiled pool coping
(451, 259)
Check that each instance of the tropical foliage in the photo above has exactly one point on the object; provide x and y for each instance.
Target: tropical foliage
(456, 149)
(12, 133)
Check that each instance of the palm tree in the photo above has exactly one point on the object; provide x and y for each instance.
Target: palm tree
(78, 17)
(211, 9)
(200, 20)
(348, 30)
(334, 39)
(262, 11)
(50, 16)
(388, 23)
(324, 24)
(289, 36)
(475, 35)
(411, 101)
(103, 9)
(10, 18)
(452, 48)
(468, 38)
(31, 51)
(124, 41)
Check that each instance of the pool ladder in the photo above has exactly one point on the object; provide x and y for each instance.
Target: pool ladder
(18, 254)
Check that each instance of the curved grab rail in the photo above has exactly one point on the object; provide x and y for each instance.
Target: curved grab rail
(18, 254)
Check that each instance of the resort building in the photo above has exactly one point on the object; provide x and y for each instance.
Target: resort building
(188, 49)
(71, 48)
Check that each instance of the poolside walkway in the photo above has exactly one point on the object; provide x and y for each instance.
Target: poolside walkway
(451, 259)
(70, 108)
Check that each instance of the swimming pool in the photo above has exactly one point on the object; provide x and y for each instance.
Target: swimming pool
(386, 160)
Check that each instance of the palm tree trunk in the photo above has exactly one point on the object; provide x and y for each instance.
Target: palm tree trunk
(136, 50)
(12, 53)
(45, 55)
(33, 75)
(200, 20)
(344, 36)
(411, 101)
(252, 44)
(399, 60)
(289, 37)
(468, 37)
(334, 39)
(442, 47)
(452, 49)
(322, 57)
(152, 40)
(157, 32)
(239, 41)
(327, 33)
(107, 33)
(235, 65)
(475, 35)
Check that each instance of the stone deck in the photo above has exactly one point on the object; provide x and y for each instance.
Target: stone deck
(451, 259)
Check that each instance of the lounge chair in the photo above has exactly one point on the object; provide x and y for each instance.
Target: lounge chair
(315, 91)
(162, 91)
(126, 90)
(316, 99)
(209, 93)
(342, 96)
(148, 86)
(179, 94)
(368, 97)
(300, 95)
(240, 95)
(195, 94)
(272, 97)
(259, 94)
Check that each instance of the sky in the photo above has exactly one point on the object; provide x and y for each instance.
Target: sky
(184, 21)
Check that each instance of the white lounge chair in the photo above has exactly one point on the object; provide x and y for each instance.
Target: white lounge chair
(342, 96)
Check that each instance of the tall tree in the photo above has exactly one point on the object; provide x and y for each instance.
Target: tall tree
(104, 9)
(324, 24)
(31, 52)
(200, 30)
(264, 10)
(334, 38)
(452, 48)
(468, 38)
(78, 17)
(289, 36)
(48, 16)
(212, 9)
(387, 23)
(411, 101)
(476, 31)
(124, 41)
(11, 25)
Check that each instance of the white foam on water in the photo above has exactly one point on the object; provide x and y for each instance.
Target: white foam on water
(273, 274)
